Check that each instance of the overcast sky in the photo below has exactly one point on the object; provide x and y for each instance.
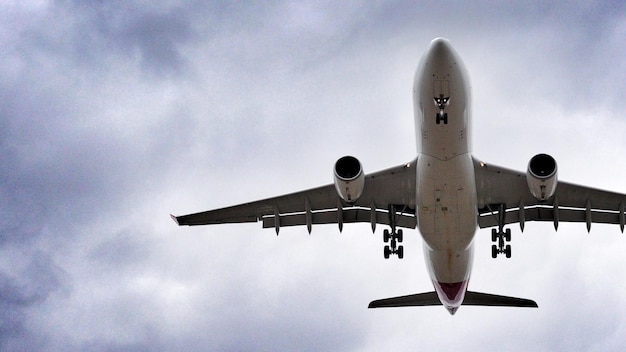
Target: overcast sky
(114, 114)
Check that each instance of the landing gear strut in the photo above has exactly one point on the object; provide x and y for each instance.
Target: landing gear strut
(501, 236)
(394, 237)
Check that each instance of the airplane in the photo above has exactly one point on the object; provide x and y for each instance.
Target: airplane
(445, 192)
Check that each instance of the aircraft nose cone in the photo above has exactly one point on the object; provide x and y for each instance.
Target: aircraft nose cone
(440, 46)
(440, 56)
(440, 42)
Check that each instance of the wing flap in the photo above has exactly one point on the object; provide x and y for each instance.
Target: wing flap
(546, 213)
(354, 215)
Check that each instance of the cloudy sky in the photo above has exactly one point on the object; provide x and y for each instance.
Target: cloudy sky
(114, 114)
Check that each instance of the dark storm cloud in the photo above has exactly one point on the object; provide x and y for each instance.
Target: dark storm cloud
(63, 163)
(25, 285)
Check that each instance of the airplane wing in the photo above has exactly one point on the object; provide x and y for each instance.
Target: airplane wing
(393, 187)
(570, 203)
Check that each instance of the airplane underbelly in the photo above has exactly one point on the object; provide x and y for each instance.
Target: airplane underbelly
(446, 202)
(449, 266)
(447, 219)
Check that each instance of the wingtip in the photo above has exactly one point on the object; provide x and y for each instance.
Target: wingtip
(175, 219)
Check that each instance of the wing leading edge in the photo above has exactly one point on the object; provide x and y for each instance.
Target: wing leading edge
(393, 187)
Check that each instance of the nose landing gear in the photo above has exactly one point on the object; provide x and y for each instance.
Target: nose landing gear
(442, 102)
(442, 116)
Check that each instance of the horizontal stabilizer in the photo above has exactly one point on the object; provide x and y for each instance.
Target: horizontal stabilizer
(486, 299)
(420, 299)
(471, 299)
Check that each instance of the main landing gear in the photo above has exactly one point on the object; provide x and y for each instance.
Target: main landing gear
(501, 236)
(393, 248)
(393, 236)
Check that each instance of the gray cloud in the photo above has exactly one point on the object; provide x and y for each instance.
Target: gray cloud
(113, 114)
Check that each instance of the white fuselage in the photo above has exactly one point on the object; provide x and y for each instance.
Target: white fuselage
(446, 206)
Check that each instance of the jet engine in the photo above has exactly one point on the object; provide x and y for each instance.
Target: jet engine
(541, 176)
(349, 178)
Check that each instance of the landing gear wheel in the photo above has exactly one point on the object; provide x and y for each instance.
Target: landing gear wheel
(442, 117)
(494, 235)
(391, 236)
(387, 252)
(494, 251)
(507, 235)
(507, 251)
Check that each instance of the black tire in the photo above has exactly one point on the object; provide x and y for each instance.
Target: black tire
(399, 236)
(507, 235)
(494, 251)
(494, 235)
(507, 251)
(400, 252)
(386, 236)
(387, 252)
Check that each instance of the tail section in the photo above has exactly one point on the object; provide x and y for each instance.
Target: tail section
(471, 299)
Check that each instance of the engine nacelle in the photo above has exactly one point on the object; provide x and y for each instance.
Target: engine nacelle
(349, 178)
(542, 176)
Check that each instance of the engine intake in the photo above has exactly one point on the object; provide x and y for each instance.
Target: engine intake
(349, 178)
(542, 176)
